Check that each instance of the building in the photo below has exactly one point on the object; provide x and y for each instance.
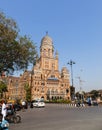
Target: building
(16, 85)
(45, 79)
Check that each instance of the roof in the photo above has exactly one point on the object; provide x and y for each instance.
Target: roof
(46, 40)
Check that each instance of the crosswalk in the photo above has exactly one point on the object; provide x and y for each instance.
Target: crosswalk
(70, 105)
(73, 105)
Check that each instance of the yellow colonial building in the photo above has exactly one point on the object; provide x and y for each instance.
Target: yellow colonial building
(45, 79)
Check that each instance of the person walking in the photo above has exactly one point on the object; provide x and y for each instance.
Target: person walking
(3, 110)
(23, 105)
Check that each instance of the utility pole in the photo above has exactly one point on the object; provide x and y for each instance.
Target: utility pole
(71, 64)
(80, 87)
(72, 86)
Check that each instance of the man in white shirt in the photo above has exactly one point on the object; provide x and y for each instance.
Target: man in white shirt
(23, 105)
(4, 110)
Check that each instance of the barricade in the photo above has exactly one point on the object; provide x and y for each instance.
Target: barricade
(75, 105)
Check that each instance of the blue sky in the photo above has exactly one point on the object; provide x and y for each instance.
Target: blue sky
(75, 27)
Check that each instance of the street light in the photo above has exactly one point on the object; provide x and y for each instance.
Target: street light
(71, 64)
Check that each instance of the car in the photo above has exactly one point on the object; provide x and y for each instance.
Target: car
(38, 103)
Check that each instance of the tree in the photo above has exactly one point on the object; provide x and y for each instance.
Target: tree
(16, 52)
(28, 91)
(3, 88)
(94, 94)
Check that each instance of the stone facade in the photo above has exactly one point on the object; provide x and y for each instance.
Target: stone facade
(47, 81)
(16, 85)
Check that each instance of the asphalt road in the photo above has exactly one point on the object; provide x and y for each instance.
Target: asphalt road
(60, 117)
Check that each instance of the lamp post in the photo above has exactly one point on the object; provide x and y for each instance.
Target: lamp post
(71, 64)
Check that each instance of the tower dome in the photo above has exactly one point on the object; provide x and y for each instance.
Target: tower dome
(64, 70)
(46, 40)
(46, 48)
(64, 73)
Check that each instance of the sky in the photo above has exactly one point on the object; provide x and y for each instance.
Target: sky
(75, 27)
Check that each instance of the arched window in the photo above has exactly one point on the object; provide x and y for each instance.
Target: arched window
(67, 90)
(44, 52)
(48, 52)
(52, 91)
(48, 91)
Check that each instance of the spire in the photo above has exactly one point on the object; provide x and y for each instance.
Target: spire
(46, 33)
(56, 54)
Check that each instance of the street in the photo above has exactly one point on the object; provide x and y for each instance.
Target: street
(60, 117)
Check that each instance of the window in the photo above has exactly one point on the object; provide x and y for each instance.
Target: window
(49, 52)
(44, 52)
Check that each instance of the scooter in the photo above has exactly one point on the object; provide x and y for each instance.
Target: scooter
(4, 125)
(13, 117)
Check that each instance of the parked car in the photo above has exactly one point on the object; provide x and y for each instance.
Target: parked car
(38, 103)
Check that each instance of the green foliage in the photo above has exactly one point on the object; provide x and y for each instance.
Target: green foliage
(28, 91)
(94, 94)
(16, 52)
(3, 88)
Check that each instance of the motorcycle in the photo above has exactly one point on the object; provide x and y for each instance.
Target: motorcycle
(13, 117)
(4, 125)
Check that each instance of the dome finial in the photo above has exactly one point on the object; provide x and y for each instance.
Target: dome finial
(46, 33)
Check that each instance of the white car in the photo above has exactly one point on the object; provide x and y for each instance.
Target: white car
(38, 103)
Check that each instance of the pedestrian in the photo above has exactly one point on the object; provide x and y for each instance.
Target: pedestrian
(4, 110)
(89, 101)
(31, 104)
(23, 105)
(78, 103)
